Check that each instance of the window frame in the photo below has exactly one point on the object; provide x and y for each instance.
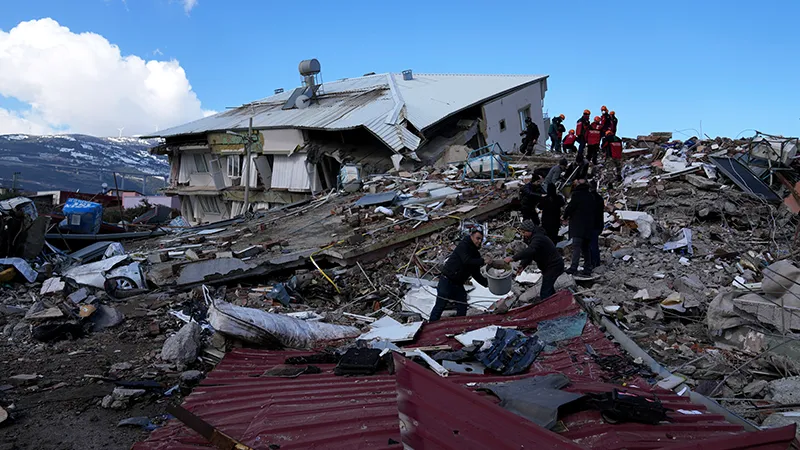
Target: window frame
(524, 113)
(205, 202)
(502, 124)
(202, 160)
(234, 162)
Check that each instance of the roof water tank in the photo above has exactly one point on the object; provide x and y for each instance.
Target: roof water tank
(309, 67)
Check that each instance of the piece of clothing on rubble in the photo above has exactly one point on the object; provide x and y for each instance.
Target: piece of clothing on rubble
(511, 352)
(544, 253)
(463, 263)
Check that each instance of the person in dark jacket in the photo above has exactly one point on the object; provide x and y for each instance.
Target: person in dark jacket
(582, 129)
(551, 206)
(555, 132)
(463, 263)
(605, 120)
(543, 252)
(599, 223)
(581, 212)
(531, 134)
(613, 122)
(529, 197)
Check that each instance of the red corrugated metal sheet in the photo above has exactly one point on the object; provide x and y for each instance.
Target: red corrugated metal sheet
(326, 411)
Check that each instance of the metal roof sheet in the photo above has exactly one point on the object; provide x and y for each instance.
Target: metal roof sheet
(380, 103)
(333, 412)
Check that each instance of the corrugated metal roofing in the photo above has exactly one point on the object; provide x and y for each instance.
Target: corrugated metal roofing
(324, 411)
(370, 102)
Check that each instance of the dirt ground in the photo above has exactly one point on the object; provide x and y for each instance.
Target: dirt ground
(52, 415)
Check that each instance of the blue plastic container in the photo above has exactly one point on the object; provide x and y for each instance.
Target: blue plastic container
(82, 217)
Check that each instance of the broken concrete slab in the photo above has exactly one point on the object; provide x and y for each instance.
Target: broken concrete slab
(200, 271)
(52, 285)
(782, 419)
(79, 295)
(182, 347)
(786, 390)
(755, 388)
(701, 182)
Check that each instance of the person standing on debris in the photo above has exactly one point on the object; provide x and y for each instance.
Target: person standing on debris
(529, 197)
(598, 222)
(581, 129)
(593, 138)
(569, 142)
(555, 132)
(531, 137)
(463, 263)
(612, 147)
(605, 120)
(551, 206)
(554, 175)
(581, 212)
(613, 120)
(543, 252)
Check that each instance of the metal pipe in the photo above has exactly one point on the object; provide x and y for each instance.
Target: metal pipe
(247, 167)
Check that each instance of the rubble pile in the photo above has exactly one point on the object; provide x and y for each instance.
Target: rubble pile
(697, 268)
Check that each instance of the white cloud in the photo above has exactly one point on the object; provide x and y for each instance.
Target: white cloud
(82, 83)
(158, 52)
(188, 5)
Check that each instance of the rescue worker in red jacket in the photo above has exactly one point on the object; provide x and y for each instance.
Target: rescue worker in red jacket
(569, 142)
(613, 120)
(612, 145)
(581, 129)
(605, 120)
(593, 138)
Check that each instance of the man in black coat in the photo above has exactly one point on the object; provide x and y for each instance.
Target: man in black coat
(543, 252)
(599, 223)
(464, 262)
(529, 196)
(581, 212)
(531, 137)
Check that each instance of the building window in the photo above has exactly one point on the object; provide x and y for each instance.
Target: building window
(524, 113)
(200, 163)
(503, 125)
(208, 204)
(234, 166)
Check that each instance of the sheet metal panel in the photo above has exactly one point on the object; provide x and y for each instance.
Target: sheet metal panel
(292, 174)
(324, 411)
(367, 102)
(744, 178)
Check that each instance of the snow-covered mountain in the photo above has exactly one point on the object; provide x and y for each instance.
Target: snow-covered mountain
(78, 162)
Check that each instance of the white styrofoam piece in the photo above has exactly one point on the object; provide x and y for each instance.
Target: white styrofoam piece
(393, 333)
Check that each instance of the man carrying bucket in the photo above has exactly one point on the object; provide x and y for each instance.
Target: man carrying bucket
(542, 251)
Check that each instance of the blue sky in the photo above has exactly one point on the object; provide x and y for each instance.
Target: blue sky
(663, 66)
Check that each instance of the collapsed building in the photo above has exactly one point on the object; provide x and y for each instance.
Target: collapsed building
(283, 148)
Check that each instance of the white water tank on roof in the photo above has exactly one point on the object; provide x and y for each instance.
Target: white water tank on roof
(309, 67)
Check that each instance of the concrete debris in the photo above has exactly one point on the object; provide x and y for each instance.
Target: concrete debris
(694, 267)
(182, 347)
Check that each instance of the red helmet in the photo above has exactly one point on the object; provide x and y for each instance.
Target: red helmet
(571, 131)
(597, 118)
(609, 133)
(586, 112)
(603, 108)
(562, 117)
(612, 113)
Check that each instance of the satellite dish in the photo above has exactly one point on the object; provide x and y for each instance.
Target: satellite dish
(302, 102)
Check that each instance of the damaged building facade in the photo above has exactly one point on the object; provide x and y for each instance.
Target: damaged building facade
(323, 135)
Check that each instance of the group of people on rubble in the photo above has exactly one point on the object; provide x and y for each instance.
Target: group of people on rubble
(584, 212)
(592, 138)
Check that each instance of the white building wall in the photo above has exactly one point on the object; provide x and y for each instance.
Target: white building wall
(507, 108)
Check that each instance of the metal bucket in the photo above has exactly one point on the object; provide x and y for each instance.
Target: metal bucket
(499, 275)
